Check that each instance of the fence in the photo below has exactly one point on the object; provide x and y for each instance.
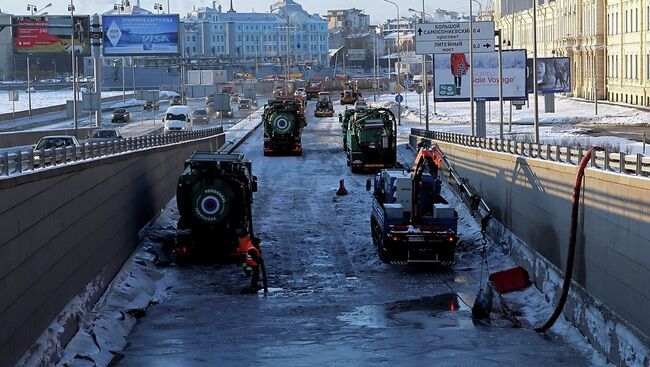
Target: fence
(30, 160)
(636, 164)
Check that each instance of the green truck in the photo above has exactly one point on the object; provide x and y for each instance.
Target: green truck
(369, 139)
(284, 120)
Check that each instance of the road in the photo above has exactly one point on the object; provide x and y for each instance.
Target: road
(331, 302)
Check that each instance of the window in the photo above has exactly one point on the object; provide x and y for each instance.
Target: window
(636, 67)
(626, 68)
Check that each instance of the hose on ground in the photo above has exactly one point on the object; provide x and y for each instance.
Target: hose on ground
(568, 273)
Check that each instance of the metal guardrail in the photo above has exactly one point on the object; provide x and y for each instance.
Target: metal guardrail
(32, 160)
(635, 164)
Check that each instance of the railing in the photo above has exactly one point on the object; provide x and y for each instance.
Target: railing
(32, 159)
(636, 164)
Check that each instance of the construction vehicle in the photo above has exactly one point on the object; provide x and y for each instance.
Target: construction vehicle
(214, 197)
(370, 139)
(411, 222)
(315, 85)
(324, 107)
(350, 93)
(344, 119)
(284, 121)
(219, 104)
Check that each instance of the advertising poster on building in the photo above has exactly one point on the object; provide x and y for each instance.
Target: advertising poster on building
(140, 35)
(553, 75)
(51, 35)
(452, 76)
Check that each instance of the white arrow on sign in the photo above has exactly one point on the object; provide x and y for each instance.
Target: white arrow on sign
(432, 37)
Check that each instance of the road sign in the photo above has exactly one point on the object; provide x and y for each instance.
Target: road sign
(399, 98)
(14, 96)
(399, 88)
(453, 37)
(374, 85)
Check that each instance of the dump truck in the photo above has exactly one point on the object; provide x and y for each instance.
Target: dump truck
(370, 139)
(410, 221)
(315, 85)
(284, 121)
(214, 197)
(324, 107)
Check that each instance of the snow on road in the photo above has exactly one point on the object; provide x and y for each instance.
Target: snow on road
(332, 301)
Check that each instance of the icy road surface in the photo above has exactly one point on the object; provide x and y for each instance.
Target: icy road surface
(331, 301)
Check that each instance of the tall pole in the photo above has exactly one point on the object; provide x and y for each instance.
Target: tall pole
(595, 81)
(498, 32)
(399, 63)
(512, 46)
(123, 81)
(286, 68)
(97, 66)
(74, 73)
(535, 92)
(29, 87)
(471, 68)
(374, 63)
(425, 82)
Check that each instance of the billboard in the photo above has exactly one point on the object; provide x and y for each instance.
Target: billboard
(140, 35)
(452, 76)
(51, 35)
(553, 75)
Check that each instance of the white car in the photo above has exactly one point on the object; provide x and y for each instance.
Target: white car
(361, 104)
(300, 92)
(178, 119)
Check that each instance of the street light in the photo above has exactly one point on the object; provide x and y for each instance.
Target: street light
(399, 61)
(71, 9)
(31, 8)
(425, 77)
(158, 7)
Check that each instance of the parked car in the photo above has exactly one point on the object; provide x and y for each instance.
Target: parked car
(301, 92)
(120, 115)
(44, 149)
(244, 104)
(151, 105)
(104, 135)
(201, 116)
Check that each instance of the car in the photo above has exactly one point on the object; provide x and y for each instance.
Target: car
(103, 135)
(234, 98)
(178, 119)
(360, 104)
(209, 98)
(176, 101)
(44, 149)
(244, 104)
(120, 115)
(151, 105)
(301, 92)
(201, 115)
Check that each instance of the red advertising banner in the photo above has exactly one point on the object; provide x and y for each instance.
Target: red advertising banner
(51, 35)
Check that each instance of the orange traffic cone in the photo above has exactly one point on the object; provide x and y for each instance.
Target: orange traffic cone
(342, 191)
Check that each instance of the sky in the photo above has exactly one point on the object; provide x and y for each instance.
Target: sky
(377, 9)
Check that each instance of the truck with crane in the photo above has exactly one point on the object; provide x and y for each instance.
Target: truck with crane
(411, 222)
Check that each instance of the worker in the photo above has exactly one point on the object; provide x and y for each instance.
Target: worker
(251, 254)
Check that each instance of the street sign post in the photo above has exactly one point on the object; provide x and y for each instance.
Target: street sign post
(14, 96)
(399, 89)
(399, 98)
(453, 37)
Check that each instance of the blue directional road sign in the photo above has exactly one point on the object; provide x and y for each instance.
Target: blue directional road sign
(399, 98)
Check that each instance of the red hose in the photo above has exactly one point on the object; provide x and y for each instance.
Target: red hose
(568, 273)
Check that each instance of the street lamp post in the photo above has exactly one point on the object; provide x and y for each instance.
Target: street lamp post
(158, 7)
(535, 91)
(399, 61)
(471, 68)
(71, 9)
(425, 78)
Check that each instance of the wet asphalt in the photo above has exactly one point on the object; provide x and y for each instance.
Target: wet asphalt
(331, 301)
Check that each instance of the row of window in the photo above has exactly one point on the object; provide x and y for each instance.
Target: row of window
(630, 66)
(257, 27)
(630, 23)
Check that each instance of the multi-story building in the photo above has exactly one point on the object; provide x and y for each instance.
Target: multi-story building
(347, 20)
(605, 40)
(287, 28)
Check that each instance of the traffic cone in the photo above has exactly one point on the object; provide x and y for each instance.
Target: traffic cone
(342, 191)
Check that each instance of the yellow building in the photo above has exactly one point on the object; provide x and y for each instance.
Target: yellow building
(573, 28)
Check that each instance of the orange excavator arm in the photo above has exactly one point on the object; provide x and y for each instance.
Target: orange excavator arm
(430, 158)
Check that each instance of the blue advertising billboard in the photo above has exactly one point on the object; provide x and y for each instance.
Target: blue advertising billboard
(140, 35)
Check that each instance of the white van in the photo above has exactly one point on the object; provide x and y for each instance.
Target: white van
(178, 118)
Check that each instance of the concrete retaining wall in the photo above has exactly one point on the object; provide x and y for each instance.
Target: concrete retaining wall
(531, 198)
(62, 228)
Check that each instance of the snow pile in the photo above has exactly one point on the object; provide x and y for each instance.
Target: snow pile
(166, 94)
(131, 102)
(44, 98)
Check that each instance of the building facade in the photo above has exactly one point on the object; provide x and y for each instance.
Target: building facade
(607, 41)
(347, 20)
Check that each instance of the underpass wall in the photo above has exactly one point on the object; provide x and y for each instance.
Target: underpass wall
(65, 227)
(532, 198)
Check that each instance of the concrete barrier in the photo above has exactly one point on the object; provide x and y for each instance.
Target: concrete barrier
(66, 227)
(531, 198)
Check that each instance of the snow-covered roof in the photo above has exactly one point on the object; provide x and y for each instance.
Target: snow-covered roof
(404, 35)
(333, 51)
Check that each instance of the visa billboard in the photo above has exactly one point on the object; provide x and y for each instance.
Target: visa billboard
(140, 35)
(50, 35)
(553, 75)
(452, 76)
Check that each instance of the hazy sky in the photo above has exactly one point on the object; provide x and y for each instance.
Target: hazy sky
(378, 9)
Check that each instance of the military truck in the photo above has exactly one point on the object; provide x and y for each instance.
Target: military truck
(284, 121)
(370, 139)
